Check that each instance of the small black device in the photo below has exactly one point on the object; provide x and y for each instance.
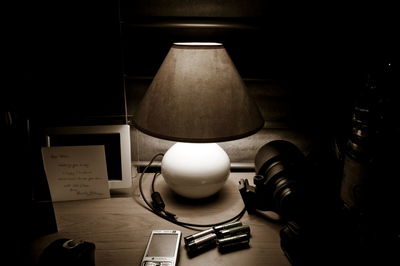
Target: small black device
(162, 248)
(67, 252)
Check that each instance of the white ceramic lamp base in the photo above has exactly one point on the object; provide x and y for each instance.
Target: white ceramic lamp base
(195, 170)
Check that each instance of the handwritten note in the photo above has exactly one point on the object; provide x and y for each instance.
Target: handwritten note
(76, 172)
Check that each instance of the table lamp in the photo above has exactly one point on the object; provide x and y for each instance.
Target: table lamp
(197, 98)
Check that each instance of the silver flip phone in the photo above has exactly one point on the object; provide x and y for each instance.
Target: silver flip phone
(162, 248)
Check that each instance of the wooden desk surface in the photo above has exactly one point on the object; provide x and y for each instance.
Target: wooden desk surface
(120, 226)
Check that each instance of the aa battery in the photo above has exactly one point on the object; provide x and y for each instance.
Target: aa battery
(243, 229)
(201, 243)
(233, 242)
(190, 238)
(227, 226)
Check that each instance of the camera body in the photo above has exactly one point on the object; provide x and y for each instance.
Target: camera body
(295, 187)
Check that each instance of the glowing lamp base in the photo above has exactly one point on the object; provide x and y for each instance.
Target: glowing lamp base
(195, 170)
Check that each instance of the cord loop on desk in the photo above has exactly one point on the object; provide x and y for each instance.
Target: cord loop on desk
(158, 205)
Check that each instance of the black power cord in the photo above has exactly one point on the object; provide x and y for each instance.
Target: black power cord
(158, 207)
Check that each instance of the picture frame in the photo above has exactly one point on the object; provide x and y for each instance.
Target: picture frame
(115, 138)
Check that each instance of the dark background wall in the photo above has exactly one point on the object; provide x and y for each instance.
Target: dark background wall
(66, 61)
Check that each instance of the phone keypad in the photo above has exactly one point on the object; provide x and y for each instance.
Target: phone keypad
(158, 263)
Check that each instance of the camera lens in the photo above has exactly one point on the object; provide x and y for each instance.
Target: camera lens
(287, 198)
(280, 164)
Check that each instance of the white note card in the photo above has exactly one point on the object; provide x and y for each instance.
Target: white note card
(76, 172)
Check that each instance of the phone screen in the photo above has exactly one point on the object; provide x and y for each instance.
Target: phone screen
(162, 245)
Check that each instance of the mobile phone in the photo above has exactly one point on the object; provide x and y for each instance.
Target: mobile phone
(162, 248)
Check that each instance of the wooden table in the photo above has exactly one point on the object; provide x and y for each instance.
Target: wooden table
(120, 226)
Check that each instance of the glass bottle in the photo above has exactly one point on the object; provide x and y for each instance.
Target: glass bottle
(368, 184)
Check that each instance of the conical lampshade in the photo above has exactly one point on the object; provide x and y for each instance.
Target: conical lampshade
(198, 95)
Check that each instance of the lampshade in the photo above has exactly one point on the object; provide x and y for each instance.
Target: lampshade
(198, 95)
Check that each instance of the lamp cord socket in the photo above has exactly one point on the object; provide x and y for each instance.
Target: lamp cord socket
(159, 205)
